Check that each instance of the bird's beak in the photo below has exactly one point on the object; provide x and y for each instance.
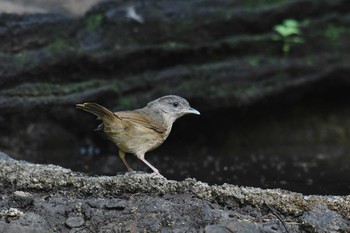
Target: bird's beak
(193, 111)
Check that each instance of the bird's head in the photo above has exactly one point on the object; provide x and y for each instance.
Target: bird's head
(172, 107)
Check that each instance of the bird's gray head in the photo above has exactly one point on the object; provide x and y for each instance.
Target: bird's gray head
(172, 106)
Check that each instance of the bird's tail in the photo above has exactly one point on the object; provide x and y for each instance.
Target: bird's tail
(101, 112)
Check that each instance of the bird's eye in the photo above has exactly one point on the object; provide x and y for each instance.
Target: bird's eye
(175, 104)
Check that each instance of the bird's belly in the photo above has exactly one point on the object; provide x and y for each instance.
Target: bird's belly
(138, 141)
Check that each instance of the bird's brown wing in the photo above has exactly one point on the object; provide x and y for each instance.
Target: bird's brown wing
(139, 117)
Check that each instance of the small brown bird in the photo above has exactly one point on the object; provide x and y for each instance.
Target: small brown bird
(140, 130)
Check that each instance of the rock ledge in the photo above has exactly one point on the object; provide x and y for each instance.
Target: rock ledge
(46, 198)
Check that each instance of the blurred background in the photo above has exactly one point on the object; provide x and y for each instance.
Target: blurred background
(270, 78)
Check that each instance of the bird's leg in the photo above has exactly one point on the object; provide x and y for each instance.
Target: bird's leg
(122, 156)
(142, 158)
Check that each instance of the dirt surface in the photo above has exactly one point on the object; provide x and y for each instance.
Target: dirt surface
(46, 198)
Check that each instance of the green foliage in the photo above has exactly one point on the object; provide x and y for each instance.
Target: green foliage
(289, 33)
(288, 28)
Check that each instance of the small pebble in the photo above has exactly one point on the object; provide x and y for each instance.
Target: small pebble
(216, 229)
(74, 222)
(116, 204)
(22, 194)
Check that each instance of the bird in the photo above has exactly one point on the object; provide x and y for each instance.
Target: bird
(141, 130)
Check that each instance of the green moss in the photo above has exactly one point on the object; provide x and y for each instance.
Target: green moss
(20, 59)
(210, 66)
(260, 3)
(30, 59)
(183, 26)
(53, 89)
(310, 61)
(254, 61)
(124, 103)
(93, 21)
(58, 45)
(333, 33)
(171, 45)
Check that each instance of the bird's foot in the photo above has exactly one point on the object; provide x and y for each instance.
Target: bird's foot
(130, 172)
(157, 174)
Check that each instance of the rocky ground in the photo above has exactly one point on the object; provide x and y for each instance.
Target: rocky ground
(48, 198)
